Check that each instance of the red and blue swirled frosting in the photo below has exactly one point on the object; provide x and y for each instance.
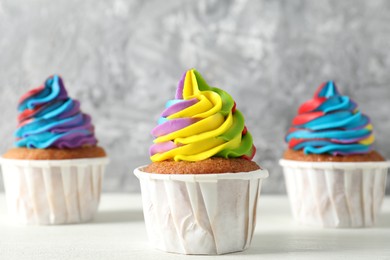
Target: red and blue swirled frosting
(330, 123)
(49, 118)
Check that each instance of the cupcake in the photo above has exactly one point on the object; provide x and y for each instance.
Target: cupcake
(334, 177)
(201, 190)
(54, 173)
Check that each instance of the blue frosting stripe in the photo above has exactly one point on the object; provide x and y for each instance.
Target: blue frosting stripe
(337, 128)
(331, 134)
(52, 119)
(50, 92)
(57, 109)
(329, 90)
(46, 139)
(337, 103)
(343, 119)
(42, 125)
(341, 149)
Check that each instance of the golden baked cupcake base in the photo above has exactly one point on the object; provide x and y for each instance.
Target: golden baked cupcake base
(372, 156)
(208, 166)
(23, 153)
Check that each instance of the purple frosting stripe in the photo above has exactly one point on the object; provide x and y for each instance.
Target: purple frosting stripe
(180, 86)
(75, 109)
(63, 94)
(350, 141)
(172, 126)
(86, 125)
(67, 129)
(335, 153)
(178, 107)
(162, 147)
(74, 140)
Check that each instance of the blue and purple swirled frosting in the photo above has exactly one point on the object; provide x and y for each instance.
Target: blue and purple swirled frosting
(330, 123)
(49, 118)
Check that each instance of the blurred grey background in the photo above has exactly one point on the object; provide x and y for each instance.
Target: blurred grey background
(122, 60)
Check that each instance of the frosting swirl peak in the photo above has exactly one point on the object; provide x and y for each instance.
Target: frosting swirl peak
(330, 123)
(201, 122)
(50, 119)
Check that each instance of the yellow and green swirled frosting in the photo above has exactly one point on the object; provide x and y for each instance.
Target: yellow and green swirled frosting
(201, 122)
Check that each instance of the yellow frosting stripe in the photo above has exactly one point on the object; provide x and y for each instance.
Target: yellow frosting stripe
(204, 125)
(217, 132)
(205, 135)
(199, 150)
(368, 141)
(209, 103)
(369, 127)
(194, 148)
(235, 142)
(190, 85)
(215, 99)
(200, 107)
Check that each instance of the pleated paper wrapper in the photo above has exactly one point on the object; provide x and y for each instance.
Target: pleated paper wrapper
(200, 213)
(335, 194)
(47, 192)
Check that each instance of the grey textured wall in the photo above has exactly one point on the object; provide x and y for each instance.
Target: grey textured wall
(122, 60)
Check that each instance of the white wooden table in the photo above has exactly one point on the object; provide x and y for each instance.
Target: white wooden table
(118, 232)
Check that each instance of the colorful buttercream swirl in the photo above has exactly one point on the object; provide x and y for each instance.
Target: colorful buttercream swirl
(50, 119)
(330, 124)
(201, 122)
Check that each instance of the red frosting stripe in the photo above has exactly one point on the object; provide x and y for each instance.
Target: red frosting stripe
(249, 158)
(304, 118)
(31, 93)
(244, 131)
(311, 105)
(234, 107)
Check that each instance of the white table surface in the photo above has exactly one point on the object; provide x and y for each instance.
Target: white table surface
(118, 232)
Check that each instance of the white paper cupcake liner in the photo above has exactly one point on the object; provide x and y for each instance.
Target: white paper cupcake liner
(44, 192)
(335, 194)
(200, 213)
